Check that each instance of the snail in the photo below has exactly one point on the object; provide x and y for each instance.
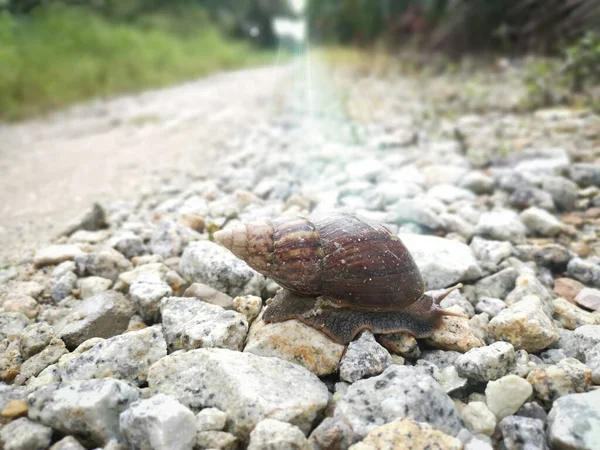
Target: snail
(341, 274)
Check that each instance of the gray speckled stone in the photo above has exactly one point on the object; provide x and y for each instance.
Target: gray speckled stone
(490, 253)
(191, 323)
(270, 434)
(209, 263)
(86, 409)
(12, 324)
(146, 294)
(125, 357)
(158, 423)
(400, 391)
(497, 285)
(104, 262)
(128, 243)
(38, 362)
(523, 433)
(491, 306)
(563, 192)
(441, 358)
(35, 338)
(487, 363)
(63, 287)
(24, 434)
(574, 422)
(587, 339)
(103, 315)
(247, 387)
(442, 262)
(585, 174)
(585, 270)
(364, 358)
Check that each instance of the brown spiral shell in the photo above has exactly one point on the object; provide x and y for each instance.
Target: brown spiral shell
(351, 260)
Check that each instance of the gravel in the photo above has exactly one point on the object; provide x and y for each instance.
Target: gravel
(132, 328)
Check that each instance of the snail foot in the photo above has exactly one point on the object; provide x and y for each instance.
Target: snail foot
(343, 324)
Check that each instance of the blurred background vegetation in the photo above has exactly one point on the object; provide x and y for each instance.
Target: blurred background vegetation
(56, 52)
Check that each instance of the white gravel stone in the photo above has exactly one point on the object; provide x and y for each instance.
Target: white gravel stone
(24, 434)
(490, 253)
(158, 423)
(247, 387)
(442, 262)
(209, 263)
(156, 270)
(499, 402)
(55, 254)
(125, 357)
(271, 434)
(541, 222)
(211, 419)
(191, 323)
(103, 315)
(216, 440)
(478, 418)
(68, 443)
(86, 409)
(497, 285)
(146, 295)
(501, 225)
(364, 358)
(487, 363)
(89, 286)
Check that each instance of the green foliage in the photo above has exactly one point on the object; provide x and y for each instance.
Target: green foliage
(573, 79)
(58, 55)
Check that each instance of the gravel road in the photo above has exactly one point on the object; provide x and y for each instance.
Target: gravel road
(54, 167)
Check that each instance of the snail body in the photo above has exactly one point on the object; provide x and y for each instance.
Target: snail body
(340, 273)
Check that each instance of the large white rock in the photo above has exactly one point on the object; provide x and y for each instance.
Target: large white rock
(247, 387)
(86, 409)
(442, 262)
(126, 357)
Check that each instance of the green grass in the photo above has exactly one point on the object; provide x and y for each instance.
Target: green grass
(59, 56)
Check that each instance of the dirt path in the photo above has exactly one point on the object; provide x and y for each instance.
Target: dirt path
(53, 168)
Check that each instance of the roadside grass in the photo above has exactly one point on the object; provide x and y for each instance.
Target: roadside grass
(59, 56)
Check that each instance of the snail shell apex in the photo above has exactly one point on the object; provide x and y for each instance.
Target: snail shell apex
(347, 259)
